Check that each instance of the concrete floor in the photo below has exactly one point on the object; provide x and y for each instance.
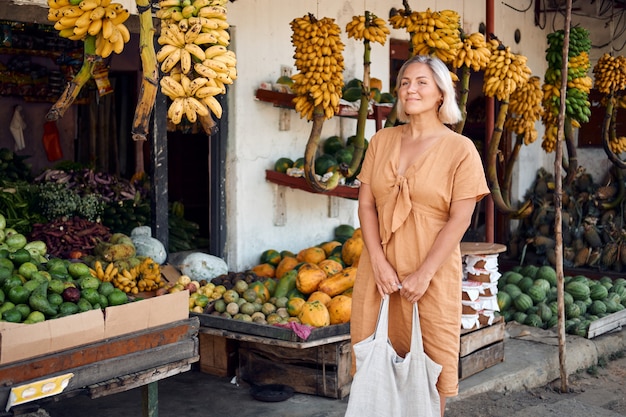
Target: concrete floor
(531, 360)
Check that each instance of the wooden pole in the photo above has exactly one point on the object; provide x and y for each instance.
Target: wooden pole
(558, 202)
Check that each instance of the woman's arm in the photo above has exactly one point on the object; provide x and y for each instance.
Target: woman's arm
(385, 276)
(414, 286)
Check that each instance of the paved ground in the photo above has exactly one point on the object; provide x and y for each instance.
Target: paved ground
(518, 387)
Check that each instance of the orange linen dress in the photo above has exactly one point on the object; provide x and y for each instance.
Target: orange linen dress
(412, 209)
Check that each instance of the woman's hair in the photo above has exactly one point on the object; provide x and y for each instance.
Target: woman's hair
(449, 112)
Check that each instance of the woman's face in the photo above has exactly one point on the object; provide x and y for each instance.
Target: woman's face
(418, 90)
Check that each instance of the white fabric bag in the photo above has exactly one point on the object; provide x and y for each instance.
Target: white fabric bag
(387, 385)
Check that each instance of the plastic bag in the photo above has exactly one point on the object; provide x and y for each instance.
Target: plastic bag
(51, 141)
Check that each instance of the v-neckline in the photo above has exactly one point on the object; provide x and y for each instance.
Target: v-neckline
(418, 157)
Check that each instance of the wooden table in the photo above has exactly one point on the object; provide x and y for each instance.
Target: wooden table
(113, 365)
(481, 248)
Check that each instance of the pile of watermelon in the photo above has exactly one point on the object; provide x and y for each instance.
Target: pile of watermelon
(528, 295)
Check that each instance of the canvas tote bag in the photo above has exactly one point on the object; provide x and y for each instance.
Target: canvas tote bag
(387, 385)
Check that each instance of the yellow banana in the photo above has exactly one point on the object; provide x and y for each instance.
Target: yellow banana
(213, 105)
(124, 32)
(192, 33)
(118, 45)
(171, 61)
(214, 50)
(196, 51)
(107, 48)
(73, 11)
(205, 71)
(173, 85)
(207, 91)
(97, 13)
(197, 83)
(178, 35)
(213, 11)
(175, 111)
(190, 113)
(83, 21)
(95, 27)
(217, 66)
(199, 108)
(226, 59)
(164, 51)
(120, 17)
(107, 28)
(205, 38)
(185, 61)
(87, 5)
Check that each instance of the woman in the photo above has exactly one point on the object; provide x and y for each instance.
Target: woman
(420, 182)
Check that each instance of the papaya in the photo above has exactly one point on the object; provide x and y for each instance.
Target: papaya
(325, 163)
(340, 309)
(314, 313)
(332, 145)
(330, 267)
(339, 282)
(352, 94)
(319, 296)
(286, 264)
(351, 250)
(266, 270)
(286, 283)
(313, 254)
(309, 277)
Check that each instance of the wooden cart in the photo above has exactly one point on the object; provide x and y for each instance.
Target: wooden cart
(112, 365)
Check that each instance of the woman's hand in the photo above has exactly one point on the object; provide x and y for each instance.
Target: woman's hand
(413, 287)
(386, 278)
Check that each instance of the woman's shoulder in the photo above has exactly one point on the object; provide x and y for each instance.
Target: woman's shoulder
(460, 142)
(386, 135)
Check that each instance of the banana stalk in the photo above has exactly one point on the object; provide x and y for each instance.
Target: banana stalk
(149, 82)
(392, 118)
(310, 152)
(492, 171)
(608, 132)
(73, 88)
(465, 79)
(571, 163)
(359, 140)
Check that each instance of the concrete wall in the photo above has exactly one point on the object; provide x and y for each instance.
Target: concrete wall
(261, 39)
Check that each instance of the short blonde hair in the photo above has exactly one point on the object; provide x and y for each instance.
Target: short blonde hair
(449, 112)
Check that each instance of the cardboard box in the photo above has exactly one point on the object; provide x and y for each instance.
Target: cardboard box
(23, 341)
(140, 315)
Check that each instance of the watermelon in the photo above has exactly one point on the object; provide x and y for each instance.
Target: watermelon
(536, 293)
(548, 273)
(543, 283)
(520, 317)
(598, 307)
(533, 320)
(577, 289)
(523, 302)
(525, 283)
(512, 289)
(598, 291)
(504, 300)
(544, 312)
(572, 311)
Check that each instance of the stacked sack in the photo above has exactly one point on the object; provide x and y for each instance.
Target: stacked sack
(479, 290)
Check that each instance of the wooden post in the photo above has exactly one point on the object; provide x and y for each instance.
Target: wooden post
(558, 203)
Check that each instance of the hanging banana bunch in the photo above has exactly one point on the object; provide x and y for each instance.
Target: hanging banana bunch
(318, 57)
(525, 110)
(195, 58)
(436, 33)
(505, 73)
(431, 33)
(367, 28)
(577, 106)
(610, 79)
(318, 85)
(100, 18)
(474, 56)
(100, 25)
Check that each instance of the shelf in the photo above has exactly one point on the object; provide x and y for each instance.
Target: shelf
(301, 184)
(285, 100)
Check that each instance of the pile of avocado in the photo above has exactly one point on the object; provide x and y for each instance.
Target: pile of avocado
(34, 288)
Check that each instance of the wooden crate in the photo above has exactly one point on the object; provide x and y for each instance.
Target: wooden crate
(322, 370)
(481, 348)
(218, 355)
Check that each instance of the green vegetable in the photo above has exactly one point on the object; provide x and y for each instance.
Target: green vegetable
(286, 284)
(39, 301)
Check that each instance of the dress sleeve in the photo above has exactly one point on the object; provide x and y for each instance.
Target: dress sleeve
(469, 177)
